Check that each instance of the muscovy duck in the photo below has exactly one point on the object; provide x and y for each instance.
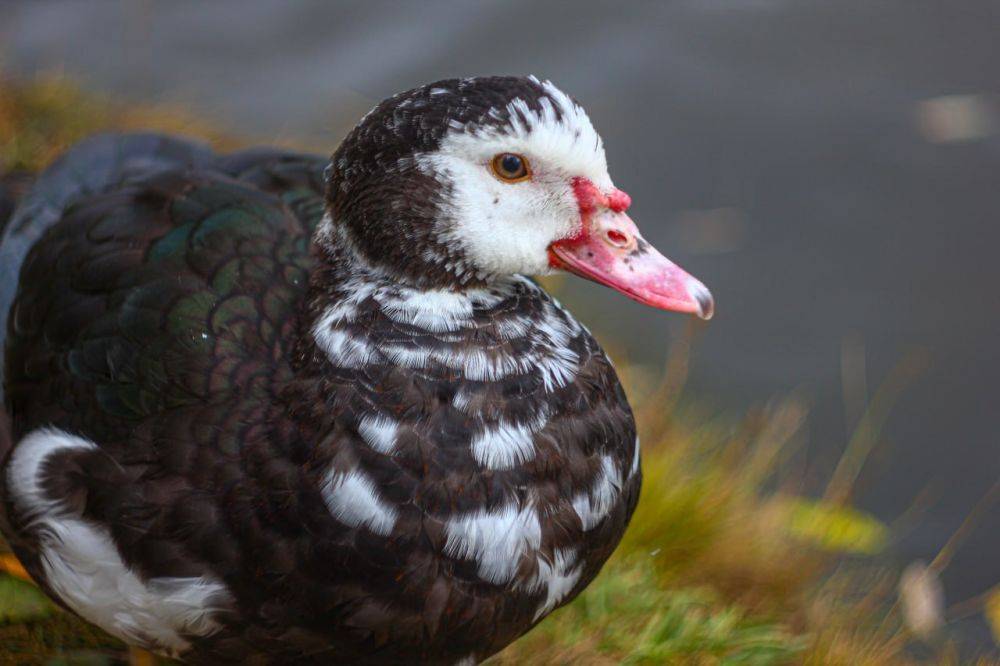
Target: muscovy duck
(264, 407)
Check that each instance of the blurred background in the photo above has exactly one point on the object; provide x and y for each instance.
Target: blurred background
(830, 170)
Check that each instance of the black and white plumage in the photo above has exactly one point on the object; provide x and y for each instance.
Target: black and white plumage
(388, 448)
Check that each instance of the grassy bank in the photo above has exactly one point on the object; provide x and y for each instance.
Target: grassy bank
(724, 563)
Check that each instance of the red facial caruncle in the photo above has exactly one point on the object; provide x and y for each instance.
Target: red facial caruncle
(609, 250)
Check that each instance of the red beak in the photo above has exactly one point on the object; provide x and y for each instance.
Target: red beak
(610, 250)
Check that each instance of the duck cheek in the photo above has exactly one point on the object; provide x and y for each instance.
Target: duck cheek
(610, 250)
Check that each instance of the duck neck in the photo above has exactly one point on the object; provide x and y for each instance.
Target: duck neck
(415, 257)
(354, 303)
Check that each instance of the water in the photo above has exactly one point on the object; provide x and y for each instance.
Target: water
(830, 170)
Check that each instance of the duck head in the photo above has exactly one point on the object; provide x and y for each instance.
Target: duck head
(462, 181)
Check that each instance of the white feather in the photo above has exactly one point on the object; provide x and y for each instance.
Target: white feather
(496, 540)
(558, 577)
(83, 568)
(635, 459)
(379, 432)
(442, 312)
(435, 310)
(594, 505)
(353, 499)
(344, 349)
(507, 445)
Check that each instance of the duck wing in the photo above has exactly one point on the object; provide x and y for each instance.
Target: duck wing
(151, 318)
(171, 283)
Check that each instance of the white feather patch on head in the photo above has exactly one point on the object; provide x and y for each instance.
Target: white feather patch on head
(506, 228)
(83, 568)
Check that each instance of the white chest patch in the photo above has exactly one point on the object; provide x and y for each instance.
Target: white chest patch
(379, 432)
(505, 446)
(83, 567)
(353, 500)
(594, 505)
(446, 315)
(438, 311)
(496, 540)
(558, 577)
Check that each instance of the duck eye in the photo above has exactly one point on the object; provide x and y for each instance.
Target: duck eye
(511, 168)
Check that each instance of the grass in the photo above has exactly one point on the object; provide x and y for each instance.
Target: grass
(724, 563)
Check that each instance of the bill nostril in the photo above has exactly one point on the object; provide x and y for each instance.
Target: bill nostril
(617, 238)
